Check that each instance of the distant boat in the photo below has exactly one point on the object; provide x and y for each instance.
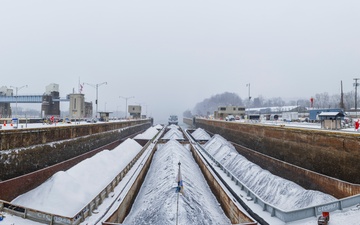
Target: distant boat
(173, 119)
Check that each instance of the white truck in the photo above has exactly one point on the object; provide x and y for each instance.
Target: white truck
(290, 116)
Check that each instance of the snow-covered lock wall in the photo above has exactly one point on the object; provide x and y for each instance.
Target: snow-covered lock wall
(274, 190)
(156, 202)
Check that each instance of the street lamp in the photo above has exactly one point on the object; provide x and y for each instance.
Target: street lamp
(142, 104)
(16, 97)
(96, 101)
(356, 84)
(117, 111)
(126, 99)
(146, 115)
(248, 85)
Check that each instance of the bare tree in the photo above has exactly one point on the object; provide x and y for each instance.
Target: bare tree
(321, 100)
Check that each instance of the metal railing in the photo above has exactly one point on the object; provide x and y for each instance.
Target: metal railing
(28, 99)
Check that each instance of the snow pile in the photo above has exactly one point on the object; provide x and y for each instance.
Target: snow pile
(148, 134)
(272, 189)
(173, 126)
(158, 126)
(67, 192)
(173, 133)
(200, 134)
(156, 202)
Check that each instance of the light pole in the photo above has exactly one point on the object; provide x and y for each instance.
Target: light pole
(16, 97)
(126, 99)
(146, 115)
(96, 101)
(117, 111)
(142, 104)
(356, 84)
(248, 85)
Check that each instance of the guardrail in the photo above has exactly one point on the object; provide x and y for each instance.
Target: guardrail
(287, 216)
(53, 219)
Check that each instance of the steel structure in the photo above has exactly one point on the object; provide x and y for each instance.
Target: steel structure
(28, 99)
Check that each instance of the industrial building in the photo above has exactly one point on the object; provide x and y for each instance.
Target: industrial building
(224, 111)
(135, 111)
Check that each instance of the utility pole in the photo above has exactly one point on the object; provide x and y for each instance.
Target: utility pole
(126, 99)
(248, 85)
(342, 106)
(16, 97)
(356, 84)
(142, 104)
(96, 86)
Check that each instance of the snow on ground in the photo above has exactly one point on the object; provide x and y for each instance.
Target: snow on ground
(274, 190)
(40, 125)
(173, 133)
(67, 192)
(307, 125)
(156, 202)
(200, 134)
(44, 125)
(148, 134)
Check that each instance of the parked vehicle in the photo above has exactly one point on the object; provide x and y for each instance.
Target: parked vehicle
(290, 116)
(91, 120)
(324, 218)
(230, 118)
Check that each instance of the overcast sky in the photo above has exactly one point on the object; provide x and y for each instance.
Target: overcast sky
(171, 55)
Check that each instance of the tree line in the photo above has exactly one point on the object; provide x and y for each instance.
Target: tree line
(320, 101)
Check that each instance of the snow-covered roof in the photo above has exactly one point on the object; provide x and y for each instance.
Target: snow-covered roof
(340, 114)
(274, 108)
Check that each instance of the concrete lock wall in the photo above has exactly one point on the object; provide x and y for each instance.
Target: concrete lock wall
(335, 154)
(19, 138)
